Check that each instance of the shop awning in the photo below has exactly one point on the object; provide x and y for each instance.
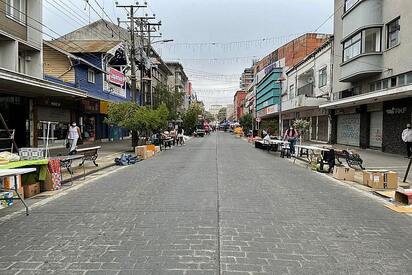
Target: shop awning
(373, 97)
(23, 85)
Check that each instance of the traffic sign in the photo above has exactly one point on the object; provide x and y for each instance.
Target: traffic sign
(258, 119)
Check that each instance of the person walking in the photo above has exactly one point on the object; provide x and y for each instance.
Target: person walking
(407, 138)
(73, 135)
(291, 135)
(180, 136)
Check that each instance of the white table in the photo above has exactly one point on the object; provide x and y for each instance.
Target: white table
(14, 173)
(309, 148)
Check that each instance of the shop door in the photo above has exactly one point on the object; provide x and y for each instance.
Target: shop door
(376, 125)
(349, 129)
(323, 128)
(314, 128)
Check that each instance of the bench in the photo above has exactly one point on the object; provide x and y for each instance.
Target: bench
(90, 154)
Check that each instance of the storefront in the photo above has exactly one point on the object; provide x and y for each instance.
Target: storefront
(88, 125)
(53, 118)
(396, 114)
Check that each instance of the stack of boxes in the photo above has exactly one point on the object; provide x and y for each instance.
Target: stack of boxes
(146, 151)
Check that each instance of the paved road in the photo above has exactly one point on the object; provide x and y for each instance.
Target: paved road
(214, 206)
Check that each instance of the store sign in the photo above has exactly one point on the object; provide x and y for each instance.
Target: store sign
(116, 77)
(397, 111)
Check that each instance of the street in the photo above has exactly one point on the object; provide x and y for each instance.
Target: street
(214, 206)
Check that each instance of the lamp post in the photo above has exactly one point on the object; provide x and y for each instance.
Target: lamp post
(162, 41)
(280, 81)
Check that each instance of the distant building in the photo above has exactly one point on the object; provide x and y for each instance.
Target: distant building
(247, 78)
(230, 112)
(214, 109)
(179, 82)
(238, 103)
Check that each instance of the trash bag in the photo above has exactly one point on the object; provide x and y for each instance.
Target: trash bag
(126, 159)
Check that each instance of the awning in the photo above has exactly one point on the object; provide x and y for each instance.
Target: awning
(373, 97)
(23, 85)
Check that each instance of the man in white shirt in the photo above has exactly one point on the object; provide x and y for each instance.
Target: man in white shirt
(407, 138)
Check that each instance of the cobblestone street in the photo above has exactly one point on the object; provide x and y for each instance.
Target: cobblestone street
(214, 206)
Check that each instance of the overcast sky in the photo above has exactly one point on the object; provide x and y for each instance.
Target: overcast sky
(238, 28)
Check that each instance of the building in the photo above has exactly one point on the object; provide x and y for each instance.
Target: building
(309, 85)
(179, 82)
(247, 78)
(270, 71)
(214, 109)
(372, 77)
(238, 103)
(26, 99)
(96, 67)
(230, 112)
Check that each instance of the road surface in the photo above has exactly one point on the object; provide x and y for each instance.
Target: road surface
(214, 206)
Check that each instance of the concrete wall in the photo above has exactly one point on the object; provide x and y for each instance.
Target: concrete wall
(34, 18)
(8, 54)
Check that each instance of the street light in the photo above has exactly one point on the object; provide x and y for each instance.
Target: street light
(280, 80)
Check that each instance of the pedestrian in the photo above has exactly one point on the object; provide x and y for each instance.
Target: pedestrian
(407, 138)
(291, 135)
(180, 136)
(73, 135)
(266, 139)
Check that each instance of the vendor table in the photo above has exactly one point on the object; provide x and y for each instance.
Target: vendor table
(14, 173)
(41, 164)
(66, 162)
(284, 147)
(309, 151)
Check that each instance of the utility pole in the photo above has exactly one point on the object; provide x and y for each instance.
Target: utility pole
(131, 11)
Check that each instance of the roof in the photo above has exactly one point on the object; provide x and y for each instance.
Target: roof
(72, 56)
(177, 64)
(85, 46)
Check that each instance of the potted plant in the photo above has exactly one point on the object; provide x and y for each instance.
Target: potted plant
(302, 126)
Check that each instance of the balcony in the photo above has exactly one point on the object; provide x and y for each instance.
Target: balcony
(306, 90)
(365, 14)
(302, 102)
(362, 66)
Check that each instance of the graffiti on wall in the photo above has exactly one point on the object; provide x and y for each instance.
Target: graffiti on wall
(349, 129)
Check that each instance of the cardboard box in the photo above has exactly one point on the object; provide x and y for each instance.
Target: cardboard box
(344, 173)
(8, 184)
(404, 196)
(141, 152)
(151, 147)
(48, 184)
(380, 179)
(157, 149)
(31, 190)
(150, 154)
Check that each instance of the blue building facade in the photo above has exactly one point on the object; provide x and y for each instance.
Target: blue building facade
(268, 91)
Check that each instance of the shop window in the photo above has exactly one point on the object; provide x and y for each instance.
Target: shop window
(16, 9)
(323, 77)
(394, 30)
(91, 76)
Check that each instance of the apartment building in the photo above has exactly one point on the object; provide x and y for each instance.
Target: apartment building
(246, 78)
(309, 85)
(22, 87)
(179, 82)
(238, 103)
(372, 73)
(270, 71)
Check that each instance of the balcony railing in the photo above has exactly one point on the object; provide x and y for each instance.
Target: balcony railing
(306, 90)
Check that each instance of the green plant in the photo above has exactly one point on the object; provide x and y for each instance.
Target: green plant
(190, 117)
(302, 126)
(246, 122)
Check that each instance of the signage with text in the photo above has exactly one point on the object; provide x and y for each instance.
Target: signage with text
(116, 77)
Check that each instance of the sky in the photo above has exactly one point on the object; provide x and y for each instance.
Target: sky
(213, 39)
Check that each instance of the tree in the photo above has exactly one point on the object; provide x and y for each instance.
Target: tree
(209, 117)
(222, 114)
(172, 99)
(190, 117)
(271, 125)
(139, 119)
(246, 122)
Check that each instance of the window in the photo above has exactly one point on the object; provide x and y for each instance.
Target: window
(91, 76)
(394, 29)
(352, 47)
(409, 78)
(350, 3)
(323, 77)
(372, 41)
(385, 84)
(292, 91)
(366, 41)
(17, 10)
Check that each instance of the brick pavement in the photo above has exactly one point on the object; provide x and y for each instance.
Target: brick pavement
(214, 205)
